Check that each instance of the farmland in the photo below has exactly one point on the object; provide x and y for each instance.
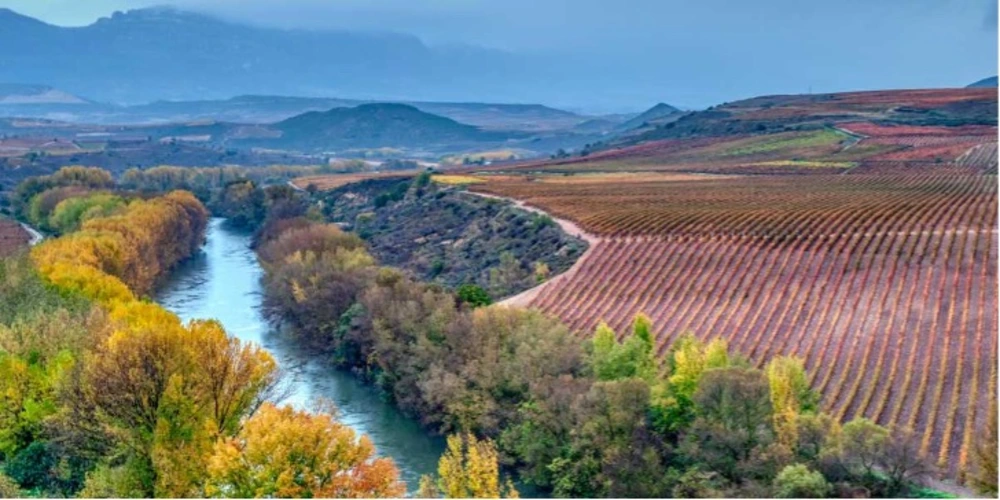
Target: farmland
(857, 274)
(868, 249)
(12, 237)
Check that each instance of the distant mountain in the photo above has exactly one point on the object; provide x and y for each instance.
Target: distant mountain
(145, 55)
(656, 113)
(18, 94)
(270, 109)
(985, 82)
(374, 126)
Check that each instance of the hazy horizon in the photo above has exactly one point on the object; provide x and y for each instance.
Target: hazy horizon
(647, 51)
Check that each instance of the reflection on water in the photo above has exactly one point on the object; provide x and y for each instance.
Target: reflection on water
(223, 282)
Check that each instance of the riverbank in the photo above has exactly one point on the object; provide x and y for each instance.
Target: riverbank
(223, 282)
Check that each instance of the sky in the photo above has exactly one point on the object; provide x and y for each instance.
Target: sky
(692, 53)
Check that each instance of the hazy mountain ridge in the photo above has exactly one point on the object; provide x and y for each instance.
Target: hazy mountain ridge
(149, 54)
(985, 82)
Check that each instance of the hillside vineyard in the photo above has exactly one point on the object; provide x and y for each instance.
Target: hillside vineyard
(884, 284)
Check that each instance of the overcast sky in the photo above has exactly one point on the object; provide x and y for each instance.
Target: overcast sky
(693, 53)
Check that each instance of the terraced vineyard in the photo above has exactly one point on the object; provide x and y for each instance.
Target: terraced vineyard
(885, 284)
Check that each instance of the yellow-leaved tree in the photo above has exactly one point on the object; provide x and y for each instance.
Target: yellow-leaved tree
(286, 453)
(469, 468)
(790, 395)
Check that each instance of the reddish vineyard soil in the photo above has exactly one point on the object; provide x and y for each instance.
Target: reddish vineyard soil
(12, 237)
(886, 285)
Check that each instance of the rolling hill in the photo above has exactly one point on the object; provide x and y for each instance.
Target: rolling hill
(375, 126)
(990, 82)
(650, 116)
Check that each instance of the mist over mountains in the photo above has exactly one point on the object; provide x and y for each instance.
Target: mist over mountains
(168, 54)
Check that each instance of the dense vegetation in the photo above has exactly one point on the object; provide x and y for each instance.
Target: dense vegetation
(577, 418)
(104, 394)
(438, 233)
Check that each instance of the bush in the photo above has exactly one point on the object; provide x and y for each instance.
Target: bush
(797, 481)
(473, 295)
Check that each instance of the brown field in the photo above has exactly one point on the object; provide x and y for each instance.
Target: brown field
(13, 237)
(334, 181)
(884, 280)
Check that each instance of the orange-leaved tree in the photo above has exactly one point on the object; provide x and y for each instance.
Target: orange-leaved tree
(287, 453)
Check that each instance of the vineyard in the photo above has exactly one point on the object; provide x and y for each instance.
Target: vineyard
(885, 284)
(12, 237)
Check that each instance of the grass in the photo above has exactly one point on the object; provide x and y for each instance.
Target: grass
(807, 164)
(494, 155)
(456, 179)
(771, 143)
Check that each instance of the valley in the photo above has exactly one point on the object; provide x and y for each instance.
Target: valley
(498, 250)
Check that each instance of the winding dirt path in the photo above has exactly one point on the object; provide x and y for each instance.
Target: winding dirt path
(525, 298)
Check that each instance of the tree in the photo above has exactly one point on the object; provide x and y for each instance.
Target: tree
(790, 395)
(282, 452)
(633, 357)
(797, 481)
(170, 390)
(687, 362)
(902, 462)
(469, 469)
(734, 420)
(473, 295)
(864, 441)
(984, 478)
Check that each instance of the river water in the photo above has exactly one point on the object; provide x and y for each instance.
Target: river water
(223, 282)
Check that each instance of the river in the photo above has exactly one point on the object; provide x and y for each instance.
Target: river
(223, 282)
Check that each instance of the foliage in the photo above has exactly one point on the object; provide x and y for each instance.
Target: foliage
(70, 213)
(469, 468)
(633, 357)
(284, 453)
(790, 395)
(473, 295)
(797, 481)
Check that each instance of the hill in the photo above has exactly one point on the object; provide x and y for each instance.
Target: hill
(374, 126)
(852, 230)
(22, 94)
(784, 113)
(650, 116)
(990, 82)
(258, 109)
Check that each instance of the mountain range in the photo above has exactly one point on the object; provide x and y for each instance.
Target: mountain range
(144, 55)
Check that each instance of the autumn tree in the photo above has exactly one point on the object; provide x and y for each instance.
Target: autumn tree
(790, 395)
(470, 468)
(286, 453)
(169, 390)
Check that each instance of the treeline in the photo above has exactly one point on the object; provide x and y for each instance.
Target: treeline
(106, 395)
(578, 418)
(244, 196)
(202, 180)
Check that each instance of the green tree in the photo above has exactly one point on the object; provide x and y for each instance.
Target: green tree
(473, 295)
(864, 441)
(633, 357)
(734, 421)
(797, 481)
